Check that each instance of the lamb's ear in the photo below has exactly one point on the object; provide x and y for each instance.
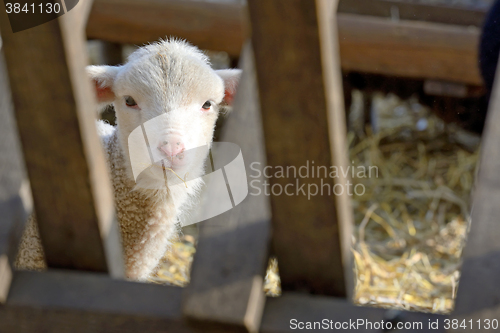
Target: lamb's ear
(231, 79)
(103, 78)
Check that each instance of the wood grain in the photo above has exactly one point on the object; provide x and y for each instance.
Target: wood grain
(209, 25)
(409, 48)
(55, 109)
(478, 294)
(63, 301)
(330, 60)
(294, 105)
(230, 262)
(416, 11)
(320, 310)
(442, 46)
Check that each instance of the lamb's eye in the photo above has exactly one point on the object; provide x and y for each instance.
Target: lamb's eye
(207, 105)
(130, 101)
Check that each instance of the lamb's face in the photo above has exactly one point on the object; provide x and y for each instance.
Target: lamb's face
(168, 92)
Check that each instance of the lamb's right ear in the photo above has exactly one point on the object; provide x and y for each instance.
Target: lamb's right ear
(103, 78)
(231, 78)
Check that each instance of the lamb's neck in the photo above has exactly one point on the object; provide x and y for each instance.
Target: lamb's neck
(122, 176)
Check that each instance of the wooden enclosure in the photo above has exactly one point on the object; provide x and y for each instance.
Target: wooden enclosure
(290, 96)
(381, 36)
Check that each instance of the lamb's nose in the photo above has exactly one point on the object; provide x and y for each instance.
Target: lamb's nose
(172, 147)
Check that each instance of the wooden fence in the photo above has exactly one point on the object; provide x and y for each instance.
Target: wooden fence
(289, 108)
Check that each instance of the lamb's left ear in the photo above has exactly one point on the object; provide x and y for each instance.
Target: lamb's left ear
(103, 78)
(231, 79)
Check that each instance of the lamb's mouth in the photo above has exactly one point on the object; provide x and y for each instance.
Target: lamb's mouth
(161, 165)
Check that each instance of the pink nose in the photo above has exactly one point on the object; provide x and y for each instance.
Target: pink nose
(172, 147)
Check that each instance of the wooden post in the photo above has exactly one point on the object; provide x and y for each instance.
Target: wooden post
(478, 294)
(232, 254)
(55, 112)
(15, 199)
(304, 126)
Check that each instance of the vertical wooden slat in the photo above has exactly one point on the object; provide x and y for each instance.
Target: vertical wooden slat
(332, 77)
(79, 13)
(227, 277)
(303, 125)
(15, 202)
(478, 295)
(55, 109)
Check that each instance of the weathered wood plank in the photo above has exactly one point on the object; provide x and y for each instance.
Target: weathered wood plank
(55, 116)
(478, 294)
(229, 265)
(293, 311)
(409, 48)
(15, 199)
(79, 12)
(290, 64)
(209, 25)
(335, 314)
(330, 59)
(444, 48)
(416, 11)
(65, 301)
(280, 313)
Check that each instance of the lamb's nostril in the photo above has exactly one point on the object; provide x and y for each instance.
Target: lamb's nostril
(172, 148)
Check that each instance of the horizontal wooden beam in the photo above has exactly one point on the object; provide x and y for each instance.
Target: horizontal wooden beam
(409, 48)
(402, 47)
(292, 311)
(416, 11)
(64, 301)
(209, 25)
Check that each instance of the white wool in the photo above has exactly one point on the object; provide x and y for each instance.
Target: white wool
(169, 80)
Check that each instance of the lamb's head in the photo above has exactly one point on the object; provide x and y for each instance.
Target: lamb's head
(169, 92)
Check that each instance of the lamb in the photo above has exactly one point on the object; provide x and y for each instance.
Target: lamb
(170, 87)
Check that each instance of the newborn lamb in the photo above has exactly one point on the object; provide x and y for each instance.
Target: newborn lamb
(168, 92)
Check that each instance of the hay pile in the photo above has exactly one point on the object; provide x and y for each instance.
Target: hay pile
(412, 221)
(175, 266)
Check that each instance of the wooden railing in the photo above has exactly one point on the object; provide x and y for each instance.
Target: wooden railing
(288, 109)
